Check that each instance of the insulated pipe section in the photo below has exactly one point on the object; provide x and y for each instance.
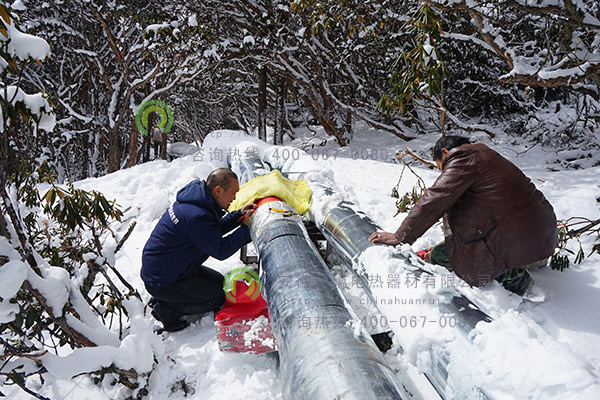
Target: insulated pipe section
(346, 237)
(325, 354)
(248, 167)
(348, 231)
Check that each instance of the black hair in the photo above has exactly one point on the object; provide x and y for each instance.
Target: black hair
(220, 177)
(447, 142)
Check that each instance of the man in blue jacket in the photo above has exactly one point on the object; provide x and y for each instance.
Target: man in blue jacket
(191, 230)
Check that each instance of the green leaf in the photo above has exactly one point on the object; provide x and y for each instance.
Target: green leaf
(19, 319)
(105, 205)
(596, 247)
(70, 222)
(580, 256)
(31, 318)
(17, 378)
(559, 262)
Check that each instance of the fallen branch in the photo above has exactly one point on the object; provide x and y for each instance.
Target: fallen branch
(416, 157)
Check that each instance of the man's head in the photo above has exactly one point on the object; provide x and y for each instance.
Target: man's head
(223, 185)
(444, 145)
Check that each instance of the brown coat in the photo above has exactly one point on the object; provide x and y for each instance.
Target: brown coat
(494, 217)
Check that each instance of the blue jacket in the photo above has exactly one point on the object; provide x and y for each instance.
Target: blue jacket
(188, 233)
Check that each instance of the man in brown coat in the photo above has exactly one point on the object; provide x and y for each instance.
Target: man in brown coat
(496, 223)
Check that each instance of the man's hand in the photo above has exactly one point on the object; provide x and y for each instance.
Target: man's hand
(249, 207)
(384, 237)
(425, 255)
(247, 211)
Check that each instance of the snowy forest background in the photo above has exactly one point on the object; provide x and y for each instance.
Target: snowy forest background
(75, 72)
(429, 66)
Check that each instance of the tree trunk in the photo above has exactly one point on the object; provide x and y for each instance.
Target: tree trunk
(281, 118)
(3, 178)
(348, 119)
(3, 225)
(133, 145)
(262, 103)
(325, 116)
(146, 148)
(113, 150)
(85, 159)
(163, 146)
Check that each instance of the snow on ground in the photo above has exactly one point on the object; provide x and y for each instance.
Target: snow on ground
(540, 350)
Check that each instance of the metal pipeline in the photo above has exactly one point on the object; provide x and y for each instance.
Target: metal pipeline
(250, 166)
(348, 229)
(324, 352)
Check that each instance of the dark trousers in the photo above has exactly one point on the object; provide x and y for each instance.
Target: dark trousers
(199, 293)
(157, 148)
(516, 280)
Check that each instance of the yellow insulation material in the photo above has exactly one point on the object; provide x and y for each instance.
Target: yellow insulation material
(296, 193)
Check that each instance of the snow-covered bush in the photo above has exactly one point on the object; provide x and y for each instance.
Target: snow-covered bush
(59, 291)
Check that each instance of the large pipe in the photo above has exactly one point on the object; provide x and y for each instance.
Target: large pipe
(308, 313)
(324, 353)
(250, 166)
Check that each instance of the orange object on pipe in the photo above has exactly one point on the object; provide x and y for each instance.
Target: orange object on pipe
(266, 200)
